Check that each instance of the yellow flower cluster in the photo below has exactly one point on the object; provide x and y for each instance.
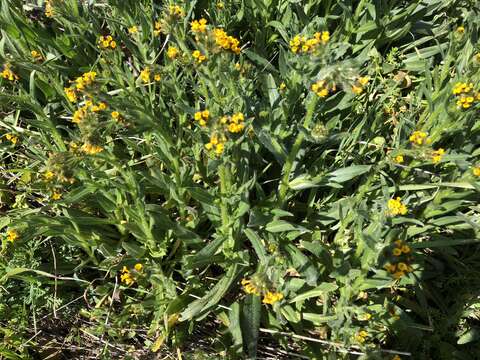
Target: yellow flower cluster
(12, 235)
(172, 52)
(106, 42)
(133, 30)
(269, 297)
(322, 88)
(12, 138)
(82, 112)
(202, 117)
(199, 26)
(396, 207)
(126, 275)
(361, 336)
(235, 122)
(437, 155)
(48, 175)
(359, 84)
(176, 11)
(465, 95)
(198, 56)
(400, 268)
(216, 143)
(49, 9)
(158, 28)
(419, 138)
(81, 83)
(91, 149)
(272, 297)
(8, 74)
(225, 41)
(401, 248)
(303, 45)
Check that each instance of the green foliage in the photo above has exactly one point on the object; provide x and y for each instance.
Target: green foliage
(315, 194)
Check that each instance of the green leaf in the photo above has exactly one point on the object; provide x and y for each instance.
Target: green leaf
(250, 324)
(320, 290)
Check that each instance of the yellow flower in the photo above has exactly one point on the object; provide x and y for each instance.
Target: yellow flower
(198, 56)
(90, 149)
(272, 297)
(361, 336)
(396, 357)
(282, 86)
(249, 287)
(390, 268)
(460, 30)
(12, 235)
(419, 138)
(126, 277)
(106, 42)
(202, 117)
(138, 267)
(399, 159)
(220, 5)
(36, 55)
(219, 149)
(176, 11)
(8, 74)
(71, 94)
(476, 170)
(48, 9)
(56, 195)
(365, 317)
(115, 115)
(12, 138)
(157, 77)
(406, 249)
(225, 41)
(133, 29)
(198, 26)
(437, 155)
(145, 75)
(396, 207)
(397, 252)
(172, 52)
(48, 175)
(158, 28)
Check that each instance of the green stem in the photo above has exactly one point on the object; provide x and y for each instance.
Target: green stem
(224, 185)
(287, 168)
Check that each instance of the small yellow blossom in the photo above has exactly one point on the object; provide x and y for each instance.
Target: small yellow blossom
(322, 88)
(138, 267)
(71, 94)
(172, 52)
(12, 235)
(158, 28)
(8, 74)
(56, 195)
(282, 86)
(437, 155)
(115, 115)
(365, 317)
(48, 175)
(272, 297)
(419, 138)
(249, 287)
(157, 77)
(133, 30)
(145, 75)
(220, 5)
(36, 55)
(126, 277)
(397, 252)
(399, 159)
(198, 56)
(12, 138)
(396, 207)
(198, 26)
(106, 42)
(90, 149)
(226, 42)
(176, 11)
(361, 336)
(460, 30)
(476, 170)
(202, 117)
(49, 9)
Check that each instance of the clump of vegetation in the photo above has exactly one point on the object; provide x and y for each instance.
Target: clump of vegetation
(233, 179)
